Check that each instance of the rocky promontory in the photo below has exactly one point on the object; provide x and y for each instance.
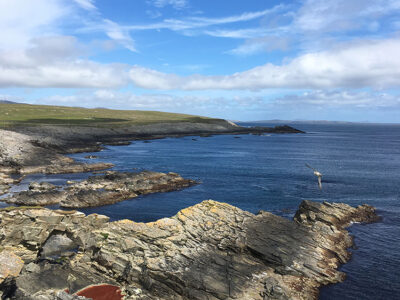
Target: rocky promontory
(98, 190)
(208, 251)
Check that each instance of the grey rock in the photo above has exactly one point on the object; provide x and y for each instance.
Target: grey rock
(56, 245)
(62, 295)
(42, 186)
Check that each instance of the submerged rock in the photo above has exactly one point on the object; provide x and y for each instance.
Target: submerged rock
(91, 157)
(208, 251)
(42, 186)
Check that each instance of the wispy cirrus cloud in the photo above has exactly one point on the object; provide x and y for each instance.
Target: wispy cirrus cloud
(86, 4)
(177, 4)
(119, 34)
(262, 44)
(193, 22)
(315, 22)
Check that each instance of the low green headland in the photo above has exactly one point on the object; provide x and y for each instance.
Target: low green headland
(27, 114)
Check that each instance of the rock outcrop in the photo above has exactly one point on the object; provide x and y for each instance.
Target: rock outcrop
(101, 189)
(208, 251)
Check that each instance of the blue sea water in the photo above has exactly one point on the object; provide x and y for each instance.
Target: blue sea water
(360, 164)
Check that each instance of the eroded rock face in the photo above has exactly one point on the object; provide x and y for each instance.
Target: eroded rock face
(102, 189)
(208, 251)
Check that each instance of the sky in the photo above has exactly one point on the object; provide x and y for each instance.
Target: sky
(238, 60)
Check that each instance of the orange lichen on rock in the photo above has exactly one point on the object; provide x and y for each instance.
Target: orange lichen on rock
(10, 265)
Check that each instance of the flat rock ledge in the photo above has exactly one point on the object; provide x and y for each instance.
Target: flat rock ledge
(98, 190)
(208, 251)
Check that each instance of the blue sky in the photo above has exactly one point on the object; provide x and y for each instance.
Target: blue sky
(239, 60)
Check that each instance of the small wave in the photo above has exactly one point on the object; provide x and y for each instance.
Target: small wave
(261, 187)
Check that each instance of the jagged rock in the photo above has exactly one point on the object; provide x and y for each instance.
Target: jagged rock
(36, 198)
(102, 189)
(41, 186)
(62, 295)
(57, 245)
(208, 251)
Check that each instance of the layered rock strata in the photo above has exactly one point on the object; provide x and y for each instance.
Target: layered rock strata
(208, 251)
(101, 189)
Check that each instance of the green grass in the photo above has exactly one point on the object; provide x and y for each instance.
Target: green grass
(26, 114)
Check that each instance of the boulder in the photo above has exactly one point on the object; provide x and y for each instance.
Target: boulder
(58, 245)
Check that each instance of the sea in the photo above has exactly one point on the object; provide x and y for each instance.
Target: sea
(360, 164)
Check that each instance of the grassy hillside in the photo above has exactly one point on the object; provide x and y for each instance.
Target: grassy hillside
(26, 114)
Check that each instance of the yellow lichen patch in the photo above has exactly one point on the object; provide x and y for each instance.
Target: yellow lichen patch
(124, 221)
(189, 211)
(167, 223)
(10, 264)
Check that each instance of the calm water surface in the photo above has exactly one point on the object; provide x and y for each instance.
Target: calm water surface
(360, 164)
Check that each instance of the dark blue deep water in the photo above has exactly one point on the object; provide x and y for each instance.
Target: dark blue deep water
(360, 164)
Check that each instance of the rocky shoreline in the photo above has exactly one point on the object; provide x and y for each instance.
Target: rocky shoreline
(40, 149)
(208, 251)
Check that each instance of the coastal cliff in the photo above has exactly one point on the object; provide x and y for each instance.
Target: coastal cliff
(208, 251)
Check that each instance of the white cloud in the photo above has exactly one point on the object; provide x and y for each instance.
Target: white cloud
(341, 15)
(256, 45)
(293, 106)
(21, 20)
(164, 102)
(53, 48)
(246, 33)
(72, 74)
(177, 4)
(373, 63)
(335, 98)
(200, 22)
(86, 4)
(55, 61)
(119, 34)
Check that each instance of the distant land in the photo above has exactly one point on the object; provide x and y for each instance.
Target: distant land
(8, 102)
(317, 122)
